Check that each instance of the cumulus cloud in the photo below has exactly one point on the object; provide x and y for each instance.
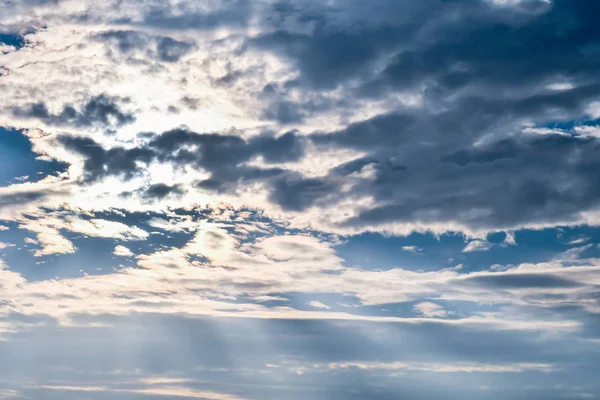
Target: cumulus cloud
(99, 110)
(214, 266)
(122, 251)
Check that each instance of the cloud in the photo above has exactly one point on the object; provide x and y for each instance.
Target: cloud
(428, 309)
(122, 251)
(412, 249)
(573, 253)
(444, 368)
(238, 147)
(170, 391)
(50, 240)
(477, 245)
(129, 42)
(318, 304)
(100, 110)
(460, 156)
(215, 265)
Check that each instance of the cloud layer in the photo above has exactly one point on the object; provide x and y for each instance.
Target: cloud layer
(416, 179)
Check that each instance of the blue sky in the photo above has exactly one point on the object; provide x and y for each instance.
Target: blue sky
(250, 200)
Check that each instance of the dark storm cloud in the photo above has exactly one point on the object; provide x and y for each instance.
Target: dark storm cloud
(99, 110)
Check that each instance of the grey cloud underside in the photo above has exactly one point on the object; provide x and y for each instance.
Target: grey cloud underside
(162, 48)
(463, 156)
(222, 155)
(515, 181)
(483, 73)
(100, 110)
(161, 190)
(21, 198)
(507, 183)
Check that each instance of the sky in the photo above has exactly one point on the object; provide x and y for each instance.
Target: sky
(299, 199)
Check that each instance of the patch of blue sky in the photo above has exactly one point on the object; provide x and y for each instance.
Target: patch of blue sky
(428, 252)
(15, 40)
(375, 251)
(92, 256)
(19, 163)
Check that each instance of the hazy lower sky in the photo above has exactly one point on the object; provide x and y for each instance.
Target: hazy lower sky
(299, 199)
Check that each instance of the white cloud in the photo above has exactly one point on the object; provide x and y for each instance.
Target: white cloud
(50, 240)
(402, 367)
(573, 253)
(6, 394)
(477, 245)
(446, 368)
(174, 281)
(318, 304)
(510, 239)
(123, 251)
(588, 130)
(163, 391)
(173, 224)
(101, 228)
(429, 310)
(580, 240)
(412, 249)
